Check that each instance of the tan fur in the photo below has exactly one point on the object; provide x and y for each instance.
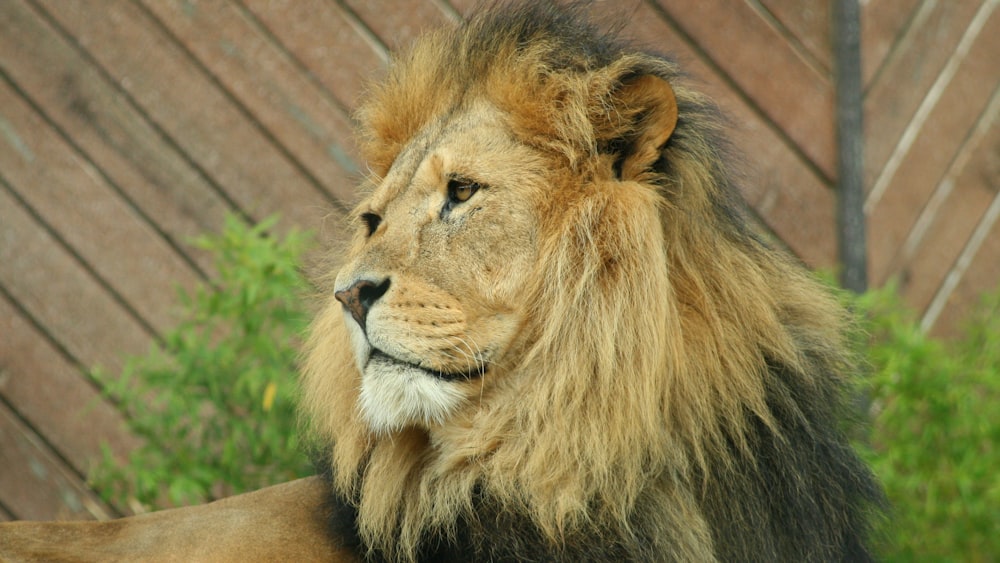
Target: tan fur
(281, 523)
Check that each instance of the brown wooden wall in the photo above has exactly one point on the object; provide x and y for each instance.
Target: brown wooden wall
(129, 126)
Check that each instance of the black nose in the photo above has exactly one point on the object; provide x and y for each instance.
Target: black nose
(360, 297)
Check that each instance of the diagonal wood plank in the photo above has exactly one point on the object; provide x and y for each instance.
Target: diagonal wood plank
(321, 36)
(977, 269)
(893, 101)
(34, 484)
(199, 118)
(958, 204)
(761, 63)
(883, 24)
(259, 75)
(53, 287)
(807, 24)
(75, 201)
(50, 394)
(465, 7)
(398, 26)
(92, 113)
(961, 104)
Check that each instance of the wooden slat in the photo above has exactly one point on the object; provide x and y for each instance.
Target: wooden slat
(51, 394)
(399, 25)
(295, 110)
(793, 201)
(882, 24)
(808, 22)
(191, 109)
(321, 36)
(962, 102)
(56, 291)
(34, 484)
(766, 68)
(104, 126)
(981, 273)
(955, 209)
(465, 7)
(902, 86)
(75, 201)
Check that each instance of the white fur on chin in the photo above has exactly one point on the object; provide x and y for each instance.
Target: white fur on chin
(395, 395)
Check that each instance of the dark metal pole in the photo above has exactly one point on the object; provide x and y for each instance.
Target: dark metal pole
(851, 243)
(852, 247)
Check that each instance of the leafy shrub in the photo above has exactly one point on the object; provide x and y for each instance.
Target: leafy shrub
(216, 404)
(935, 439)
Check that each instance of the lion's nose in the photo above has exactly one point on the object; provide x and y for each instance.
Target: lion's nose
(360, 297)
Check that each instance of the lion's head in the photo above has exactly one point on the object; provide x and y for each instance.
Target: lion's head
(553, 309)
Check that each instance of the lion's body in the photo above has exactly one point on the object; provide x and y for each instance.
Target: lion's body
(286, 522)
(555, 337)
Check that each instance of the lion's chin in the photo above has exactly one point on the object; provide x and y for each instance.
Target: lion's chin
(395, 395)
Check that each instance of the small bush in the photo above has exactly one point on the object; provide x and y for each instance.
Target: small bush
(935, 439)
(216, 404)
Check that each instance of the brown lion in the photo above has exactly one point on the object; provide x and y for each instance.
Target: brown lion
(554, 336)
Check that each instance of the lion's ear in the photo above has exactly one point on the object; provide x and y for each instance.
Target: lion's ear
(645, 111)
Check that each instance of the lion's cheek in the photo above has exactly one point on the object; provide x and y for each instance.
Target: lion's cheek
(394, 396)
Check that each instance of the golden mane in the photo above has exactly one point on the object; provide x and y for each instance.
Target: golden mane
(677, 363)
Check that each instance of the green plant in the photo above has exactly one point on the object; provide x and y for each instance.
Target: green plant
(216, 404)
(935, 439)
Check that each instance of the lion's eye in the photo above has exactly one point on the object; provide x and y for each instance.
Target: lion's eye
(372, 221)
(459, 190)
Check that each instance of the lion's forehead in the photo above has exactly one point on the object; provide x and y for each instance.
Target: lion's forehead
(473, 141)
(398, 181)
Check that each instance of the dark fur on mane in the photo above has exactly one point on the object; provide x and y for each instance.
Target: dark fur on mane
(767, 494)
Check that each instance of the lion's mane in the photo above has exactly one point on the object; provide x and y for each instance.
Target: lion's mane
(686, 377)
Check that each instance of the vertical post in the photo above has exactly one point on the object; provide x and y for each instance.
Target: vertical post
(852, 246)
(851, 243)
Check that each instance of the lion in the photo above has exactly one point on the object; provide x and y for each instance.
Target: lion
(554, 336)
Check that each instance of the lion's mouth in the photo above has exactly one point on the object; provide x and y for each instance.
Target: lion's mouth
(380, 357)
